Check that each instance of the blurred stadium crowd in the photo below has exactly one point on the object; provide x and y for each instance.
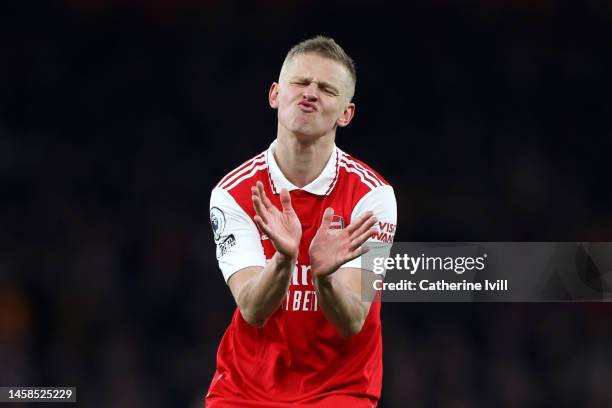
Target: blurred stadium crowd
(492, 121)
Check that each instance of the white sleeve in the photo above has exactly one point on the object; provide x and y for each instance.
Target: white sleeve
(236, 236)
(381, 201)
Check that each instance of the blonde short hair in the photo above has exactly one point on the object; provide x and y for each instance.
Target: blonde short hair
(325, 47)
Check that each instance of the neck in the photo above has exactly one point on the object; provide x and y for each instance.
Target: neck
(302, 161)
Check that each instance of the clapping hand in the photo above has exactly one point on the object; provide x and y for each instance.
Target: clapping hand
(330, 249)
(282, 227)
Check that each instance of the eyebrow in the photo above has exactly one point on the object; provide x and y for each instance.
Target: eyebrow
(320, 83)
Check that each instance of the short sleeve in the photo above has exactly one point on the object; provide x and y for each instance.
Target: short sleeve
(235, 234)
(381, 201)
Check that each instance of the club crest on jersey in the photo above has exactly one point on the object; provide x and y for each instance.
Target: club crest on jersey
(337, 222)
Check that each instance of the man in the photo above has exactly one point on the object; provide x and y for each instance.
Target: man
(289, 226)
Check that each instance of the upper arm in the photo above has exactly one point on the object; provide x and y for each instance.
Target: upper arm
(236, 236)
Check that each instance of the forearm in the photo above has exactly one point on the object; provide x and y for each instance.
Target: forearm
(263, 293)
(342, 307)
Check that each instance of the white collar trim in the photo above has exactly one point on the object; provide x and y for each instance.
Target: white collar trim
(322, 185)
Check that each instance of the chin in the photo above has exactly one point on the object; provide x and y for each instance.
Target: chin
(305, 130)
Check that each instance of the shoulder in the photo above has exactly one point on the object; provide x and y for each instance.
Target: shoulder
(234, 189)
(359, 172)
(358, 179)
(243, 175)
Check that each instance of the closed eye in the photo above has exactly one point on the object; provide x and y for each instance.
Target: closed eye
(330, 91)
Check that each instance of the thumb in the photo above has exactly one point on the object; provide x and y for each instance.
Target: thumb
(285, 199)
(328, 215)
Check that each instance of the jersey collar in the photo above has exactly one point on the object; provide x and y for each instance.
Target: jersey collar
(322, 185)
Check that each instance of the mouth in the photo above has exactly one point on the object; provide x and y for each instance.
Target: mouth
(307, 106)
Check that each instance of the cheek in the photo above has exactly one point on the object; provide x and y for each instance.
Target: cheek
(334, 112)
(285, 102)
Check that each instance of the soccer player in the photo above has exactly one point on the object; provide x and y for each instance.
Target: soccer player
(289, 226)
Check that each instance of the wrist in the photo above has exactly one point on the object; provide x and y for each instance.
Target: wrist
(284, 261)
(323, 281)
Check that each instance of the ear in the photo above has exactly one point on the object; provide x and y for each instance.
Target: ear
(347, 115)
(273, 95)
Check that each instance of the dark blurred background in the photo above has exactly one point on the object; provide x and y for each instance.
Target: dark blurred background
(492, 120)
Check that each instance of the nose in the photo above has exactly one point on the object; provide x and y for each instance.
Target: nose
(311, 92)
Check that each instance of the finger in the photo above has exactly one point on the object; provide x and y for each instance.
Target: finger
(356, 253)
(361, 239)
(355, 224)
(262, 193)
(259, 208)
(328, 215)
(285, 199)
(254, 191)
(263, 226)
(369, 223)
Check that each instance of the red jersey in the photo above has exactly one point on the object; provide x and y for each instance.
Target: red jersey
(297, 358)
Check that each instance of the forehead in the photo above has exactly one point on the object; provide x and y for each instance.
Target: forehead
(318, 68)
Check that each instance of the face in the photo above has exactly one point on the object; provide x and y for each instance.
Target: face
(313, 96)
